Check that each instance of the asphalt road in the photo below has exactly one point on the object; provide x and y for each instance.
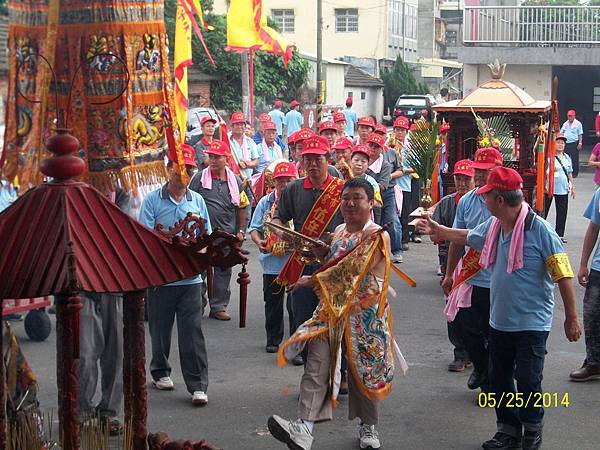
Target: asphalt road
(429, 408)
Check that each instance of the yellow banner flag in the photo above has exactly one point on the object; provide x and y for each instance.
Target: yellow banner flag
(247, 29)
(182, 60)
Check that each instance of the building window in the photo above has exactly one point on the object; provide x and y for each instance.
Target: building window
(346, 20)
(285, 19)
(363, 95)
(350, 94)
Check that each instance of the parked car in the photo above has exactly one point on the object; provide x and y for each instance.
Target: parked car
(411, 106)
(194, 130)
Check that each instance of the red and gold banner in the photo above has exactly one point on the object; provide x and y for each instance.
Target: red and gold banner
(470, 267)
(314, 226)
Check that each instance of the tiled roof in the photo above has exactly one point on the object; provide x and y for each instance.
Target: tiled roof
(357, 77)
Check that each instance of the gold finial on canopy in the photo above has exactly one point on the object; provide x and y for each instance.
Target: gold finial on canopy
(497, 69)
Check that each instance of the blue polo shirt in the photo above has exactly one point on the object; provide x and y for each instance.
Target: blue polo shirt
(572, 130)
(159, 208)
(293, 121)
(471, 212)
(405, 181)
(592, 212)
(278, 117)
(8, 194)
(271, 156)
(561, 181)
(271, 265)
(522, 300)
(252, 151)
(351, 119)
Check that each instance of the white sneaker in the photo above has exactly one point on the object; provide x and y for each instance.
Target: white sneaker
(397, 258)
(294, 434)
(164, 384)
(199, 398)
(368, 438)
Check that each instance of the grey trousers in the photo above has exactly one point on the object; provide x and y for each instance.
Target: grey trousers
(221, 294)
(164, 303)
(314, 403)
(101, 341)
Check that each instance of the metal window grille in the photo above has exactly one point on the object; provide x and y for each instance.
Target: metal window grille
(285, 18)
(346, 20)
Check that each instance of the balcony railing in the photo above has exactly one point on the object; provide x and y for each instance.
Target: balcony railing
(537, 26)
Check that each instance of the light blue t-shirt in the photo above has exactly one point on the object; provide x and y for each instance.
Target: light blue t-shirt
(561, 181)
(351, 119)
(592, 212)
(8, 194)
(293, 121)
(271, 156)
(524, 299)
(271, 265)
(278, 117)
(159, 208)
(572, 130)
(470, 213)
(405, 181)
(252, 150)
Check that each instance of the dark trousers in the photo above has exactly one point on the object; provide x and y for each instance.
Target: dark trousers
(186, 302)
(404, 219)
(518, 356)
(562, 206)
(591, 319)
(274, 296)
(304, 301)
(473, 326)
(390, 216)
(460, 352)
(571, 150)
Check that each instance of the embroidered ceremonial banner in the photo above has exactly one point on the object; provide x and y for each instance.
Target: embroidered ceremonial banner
(315, 224)
(470, 267)
(124, 141)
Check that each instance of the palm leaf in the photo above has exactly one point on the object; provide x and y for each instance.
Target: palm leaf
(422, 153)
(496, 127)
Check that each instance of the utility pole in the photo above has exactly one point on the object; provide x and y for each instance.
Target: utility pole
(245, 58)
(320, 89)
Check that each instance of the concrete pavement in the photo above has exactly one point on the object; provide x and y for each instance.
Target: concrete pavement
(429, 408)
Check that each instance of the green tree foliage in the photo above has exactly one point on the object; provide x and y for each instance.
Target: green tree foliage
(271, 79)
(400, 80)
(3, 7)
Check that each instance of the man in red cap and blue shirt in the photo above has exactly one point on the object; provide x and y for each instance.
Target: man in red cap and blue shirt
(258, 136)
(274, 253)
(167, 205)
(444, 214)
(468, 290)
(293, 118)
(366, 126)
(525, 258)
(351, 118)
(227, 206)
(278, 117)
(268, 149)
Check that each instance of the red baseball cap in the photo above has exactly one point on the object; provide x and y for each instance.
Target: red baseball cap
(561, 136)
(376, 139)
(361, 148)
(285, 169)
(402, 122)
(339, 117)
(294, 103)
(278, 104)
(269, 126)
(303, 134)
(502, 179)
(487, 158)
(237, 117)
(315, 145)
(207, 119)
(444, 127)
(264, 118)
(571, 112)
(463, 167)
(381, 128)
(349, 101)
(367, 121)
(342, 143)
(189, 155)
(327, 125)
(292, 138)
(218, 148)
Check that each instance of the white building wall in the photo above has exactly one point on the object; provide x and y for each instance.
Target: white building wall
(536, 80)
(372, 104)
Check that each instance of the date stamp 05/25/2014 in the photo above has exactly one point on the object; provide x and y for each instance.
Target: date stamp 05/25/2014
(520, 400)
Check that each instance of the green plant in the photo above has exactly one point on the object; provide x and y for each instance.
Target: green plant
(423, 151)
(495, 132)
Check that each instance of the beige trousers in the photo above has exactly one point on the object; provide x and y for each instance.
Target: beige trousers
(314, 404)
